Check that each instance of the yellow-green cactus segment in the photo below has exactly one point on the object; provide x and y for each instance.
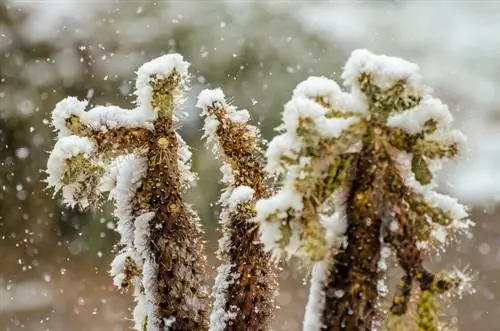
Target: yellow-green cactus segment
(382, 103)
(394, 323)
(76, 126)
(166, 93)
(80, 166)
(420, 169)
(435, 149)
(315, 244)
(427, 310)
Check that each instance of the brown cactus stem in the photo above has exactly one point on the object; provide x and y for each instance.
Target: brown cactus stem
(351, 290)
(252, 295)
(121, 140)
(176, 242)
(112, 141)
(253, 292)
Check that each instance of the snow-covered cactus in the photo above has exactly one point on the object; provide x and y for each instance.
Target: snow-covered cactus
(137, 156)
(357, 173)
(356, 186)
(245, 283)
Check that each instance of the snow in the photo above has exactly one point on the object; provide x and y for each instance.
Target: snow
(240, 116)
(315, 86)
(385, 70)
(219, 317)
(284, 145)
(239, 195)
(211, 98)
(461, 223)
(161, 67)
(413, 120)
(64, 149)
(117, 270)
(99, 118)
(187, 177)
(336, 222)
(231, 197)
(316, 301)
(102, 118)
(63, 110)
(142, 244)
(214, 98)
(270, 212)
(122, 179)
(227, 174)
(300, 108)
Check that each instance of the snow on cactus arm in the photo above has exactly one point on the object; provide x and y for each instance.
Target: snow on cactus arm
(114, 130)
(63, 113)
(136, 156)
(71, 169)
(391, 193)
(159, 86)
(175, 241)
(245, 282)
(313, 155)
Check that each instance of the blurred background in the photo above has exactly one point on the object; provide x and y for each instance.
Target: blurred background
(54, 261)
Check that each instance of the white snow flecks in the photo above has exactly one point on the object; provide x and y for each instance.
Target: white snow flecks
(385, 70)
(316, 302)
(64, 149)
(227, 174)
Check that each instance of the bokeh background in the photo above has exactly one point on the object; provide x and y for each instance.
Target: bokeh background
(54, 261)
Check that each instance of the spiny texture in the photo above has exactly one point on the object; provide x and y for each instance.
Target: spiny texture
(245, 284)
(357, 174)
(138, 157)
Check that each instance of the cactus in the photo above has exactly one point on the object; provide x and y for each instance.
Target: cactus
(245, 284)
(349, 183)
(137, 156)
(357, 176)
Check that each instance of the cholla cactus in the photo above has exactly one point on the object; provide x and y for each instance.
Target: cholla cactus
(138, 158)
(245, 282)
(356, 186)
(357, 173)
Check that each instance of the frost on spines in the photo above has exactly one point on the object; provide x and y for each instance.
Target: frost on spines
(70, 168)
(107, 149)
(413, 133)
(418, 131)
(246, 273)
(160, 84)
(320, 130)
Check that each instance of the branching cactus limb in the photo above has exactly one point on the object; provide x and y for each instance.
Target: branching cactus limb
(312, 157)
(138, 157)
(366, 161)
(245, 284)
